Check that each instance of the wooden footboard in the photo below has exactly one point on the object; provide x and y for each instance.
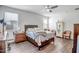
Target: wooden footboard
(46, 43)
(42, 43)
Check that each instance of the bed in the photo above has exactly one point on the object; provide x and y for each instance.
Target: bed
(38, 38)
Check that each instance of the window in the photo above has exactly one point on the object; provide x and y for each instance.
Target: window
(49, 23)
(11, 16)
(11, 20)
(52, 23)
(45, 23)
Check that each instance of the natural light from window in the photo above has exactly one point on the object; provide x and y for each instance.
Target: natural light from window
(45, 23)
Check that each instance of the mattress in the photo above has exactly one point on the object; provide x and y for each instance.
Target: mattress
(40, 36)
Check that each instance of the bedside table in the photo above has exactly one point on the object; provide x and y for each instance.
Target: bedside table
(20, 37)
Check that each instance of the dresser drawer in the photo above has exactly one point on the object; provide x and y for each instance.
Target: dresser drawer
(20, 37)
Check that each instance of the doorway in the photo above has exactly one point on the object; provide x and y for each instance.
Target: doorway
(76, 33)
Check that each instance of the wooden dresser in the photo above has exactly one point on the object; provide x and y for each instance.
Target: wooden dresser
(20, 37)
(2, 44)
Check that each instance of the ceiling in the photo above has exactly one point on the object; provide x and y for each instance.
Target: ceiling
(40, 9)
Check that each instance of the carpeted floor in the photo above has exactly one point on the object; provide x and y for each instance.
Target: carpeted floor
(59, 46)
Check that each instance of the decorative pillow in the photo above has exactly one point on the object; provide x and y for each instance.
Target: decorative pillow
(33, 35)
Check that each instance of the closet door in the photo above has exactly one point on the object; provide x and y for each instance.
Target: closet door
(76, 32)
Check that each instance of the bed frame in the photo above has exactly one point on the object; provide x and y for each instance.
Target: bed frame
(33, 41)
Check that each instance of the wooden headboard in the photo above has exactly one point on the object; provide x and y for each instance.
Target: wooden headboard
(30, 26)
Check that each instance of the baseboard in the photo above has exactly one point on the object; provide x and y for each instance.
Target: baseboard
(62, 37)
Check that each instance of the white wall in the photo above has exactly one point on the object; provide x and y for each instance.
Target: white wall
(25, 17)
(69, 19)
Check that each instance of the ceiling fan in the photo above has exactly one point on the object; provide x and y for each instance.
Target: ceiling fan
(76, 8)
(50, 7)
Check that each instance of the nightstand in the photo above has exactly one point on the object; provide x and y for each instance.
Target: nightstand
(20, 37)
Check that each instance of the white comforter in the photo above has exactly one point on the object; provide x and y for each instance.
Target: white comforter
(40, 36)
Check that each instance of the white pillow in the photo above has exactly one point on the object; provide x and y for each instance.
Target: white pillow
(30, 30)
(38, 30)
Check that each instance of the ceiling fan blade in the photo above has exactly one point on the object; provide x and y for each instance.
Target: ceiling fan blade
(76, 8)
(54, 7)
